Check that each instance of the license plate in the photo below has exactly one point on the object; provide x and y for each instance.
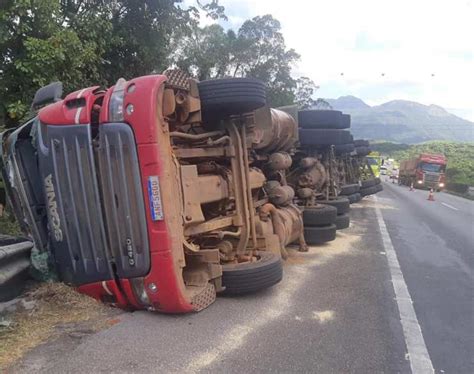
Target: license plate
(154, 195)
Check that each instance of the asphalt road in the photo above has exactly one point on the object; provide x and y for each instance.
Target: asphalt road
(434, 241)
(334, 312)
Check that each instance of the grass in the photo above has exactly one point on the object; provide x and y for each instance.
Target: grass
(8, 225)
(55, 305)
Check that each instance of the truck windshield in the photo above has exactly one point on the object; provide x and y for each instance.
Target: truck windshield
(372, 161)
(435, 168)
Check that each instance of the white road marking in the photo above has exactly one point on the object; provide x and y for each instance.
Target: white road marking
(420, 361)
(450, 206)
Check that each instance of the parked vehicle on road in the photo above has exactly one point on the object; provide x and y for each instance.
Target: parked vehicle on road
(375, 161)
(424, 171)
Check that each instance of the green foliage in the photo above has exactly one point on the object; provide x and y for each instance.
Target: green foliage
(305, 88)
(84, 43)
(205, 53)
(8, 225)
(460, 157)
(256, 50)
(95, 42)
(37, 48)
(322, 104)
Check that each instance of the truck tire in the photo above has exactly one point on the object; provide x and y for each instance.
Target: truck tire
(361, 143)
(377, 180)
(251, 277)
(320, 119)
(362, 150)
(342, 221)
(324, 137)
(367, 183)
(221, 98)
(344, 148)
(319, 215)
(354, 198)
(346, 121)
(368, 190)
(349, 189)
(341, 204)
(319, 235)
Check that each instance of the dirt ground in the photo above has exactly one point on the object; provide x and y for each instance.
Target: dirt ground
(47, 312)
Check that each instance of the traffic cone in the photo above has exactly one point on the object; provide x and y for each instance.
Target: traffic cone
(411, 187)
(431, 196)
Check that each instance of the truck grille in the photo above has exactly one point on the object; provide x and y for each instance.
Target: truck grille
(123, 200)
(84, 210)
(431, 179)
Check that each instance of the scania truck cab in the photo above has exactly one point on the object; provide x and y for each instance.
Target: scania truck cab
(425, 171)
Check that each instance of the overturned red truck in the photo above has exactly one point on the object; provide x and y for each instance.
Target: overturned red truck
(156, 193)
(425, 171)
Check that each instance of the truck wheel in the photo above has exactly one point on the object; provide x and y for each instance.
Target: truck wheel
(343, 148)
(367, 183)
(251, 277)
(377, 180)
(369, 190)
(342, 221)
(319, 235)
(346, 121)
(362, 150)
(221, 98)
(324, 137)
(321, 119)
(354, 198)
(319, 215)
(341, 204)
(349, 189)
(361, 143)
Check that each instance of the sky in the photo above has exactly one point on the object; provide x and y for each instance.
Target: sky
(378, 50)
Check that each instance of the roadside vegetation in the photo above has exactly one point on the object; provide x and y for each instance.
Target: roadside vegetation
(460, 169)
(83, 43)
(8, 225)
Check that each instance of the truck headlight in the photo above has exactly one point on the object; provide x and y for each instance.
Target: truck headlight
(420, 182)
(441, 184)
(116, 101)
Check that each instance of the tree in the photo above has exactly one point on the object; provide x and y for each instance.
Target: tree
(321, 104)
(305, 89)
(205, 53)
(84, 43)
(257, 50)
(260, 52)
(35, 50)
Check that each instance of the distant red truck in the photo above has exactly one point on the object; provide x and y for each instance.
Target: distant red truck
(425, 171)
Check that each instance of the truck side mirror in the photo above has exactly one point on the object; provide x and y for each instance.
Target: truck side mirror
(47, 94)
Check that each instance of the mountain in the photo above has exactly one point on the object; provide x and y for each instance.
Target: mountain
(403, 121)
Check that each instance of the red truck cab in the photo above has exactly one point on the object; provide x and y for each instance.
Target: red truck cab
(127, 160)
(425, 171)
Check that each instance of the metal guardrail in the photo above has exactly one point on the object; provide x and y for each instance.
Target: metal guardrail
(14, 265)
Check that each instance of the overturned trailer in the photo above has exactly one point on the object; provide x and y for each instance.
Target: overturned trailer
(158, 192)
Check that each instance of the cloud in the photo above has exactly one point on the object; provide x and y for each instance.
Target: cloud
(424, 48)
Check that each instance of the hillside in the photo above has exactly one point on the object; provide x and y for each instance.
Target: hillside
(403, 121)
